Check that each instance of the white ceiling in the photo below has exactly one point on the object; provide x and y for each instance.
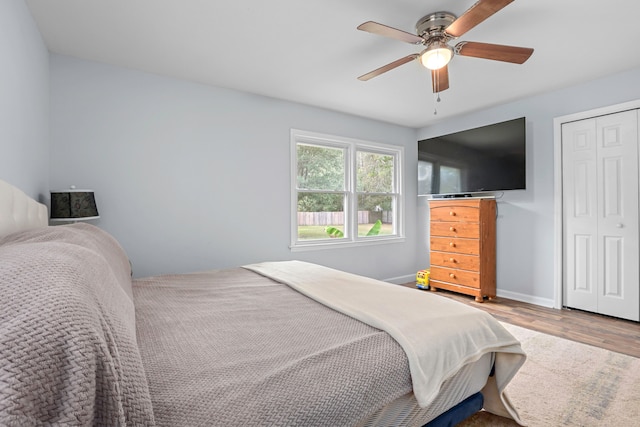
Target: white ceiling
(309, 51)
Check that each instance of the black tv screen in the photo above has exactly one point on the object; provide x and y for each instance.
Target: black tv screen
(485, 159)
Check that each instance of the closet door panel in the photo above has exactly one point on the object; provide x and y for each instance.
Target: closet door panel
(613, 266)
(585, 265)
(619, 242)
(580, 215)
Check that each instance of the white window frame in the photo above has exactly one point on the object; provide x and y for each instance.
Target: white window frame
(351, 147)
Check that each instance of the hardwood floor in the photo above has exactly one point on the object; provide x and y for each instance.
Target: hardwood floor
(622, 336)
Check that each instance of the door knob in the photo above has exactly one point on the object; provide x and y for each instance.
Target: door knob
(619, 225)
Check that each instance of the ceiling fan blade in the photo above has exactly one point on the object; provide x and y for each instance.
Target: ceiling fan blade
(384, 30)
(440, 79)
(475, 15)
(387, 67)
(496, 52)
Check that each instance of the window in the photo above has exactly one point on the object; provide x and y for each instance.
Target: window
(344, 191)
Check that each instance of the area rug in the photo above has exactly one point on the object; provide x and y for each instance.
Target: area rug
(565, 383)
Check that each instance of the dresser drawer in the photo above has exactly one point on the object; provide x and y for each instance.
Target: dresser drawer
(455, 229)
(453, 260)
(455, 213)
(466, 278)
(452, 244)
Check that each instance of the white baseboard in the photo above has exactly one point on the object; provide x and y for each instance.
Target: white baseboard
(530, 299)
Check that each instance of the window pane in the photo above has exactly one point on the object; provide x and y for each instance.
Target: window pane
(425, 177)
(373, 208)
(449, 179)
(320, 216)
(320, 168)
(374, 172)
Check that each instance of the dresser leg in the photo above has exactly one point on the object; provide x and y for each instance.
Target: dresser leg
(479, 299)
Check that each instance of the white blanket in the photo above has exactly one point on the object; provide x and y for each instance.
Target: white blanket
(438, 335)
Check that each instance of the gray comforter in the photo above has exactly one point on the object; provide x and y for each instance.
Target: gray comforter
(226, 347)
(68, 349)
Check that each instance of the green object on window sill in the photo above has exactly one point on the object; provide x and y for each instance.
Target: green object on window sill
(334, 232)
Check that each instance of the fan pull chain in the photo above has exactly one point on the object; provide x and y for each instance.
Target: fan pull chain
(435, 109)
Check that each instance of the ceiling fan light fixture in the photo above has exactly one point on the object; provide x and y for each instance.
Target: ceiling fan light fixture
(436, 55)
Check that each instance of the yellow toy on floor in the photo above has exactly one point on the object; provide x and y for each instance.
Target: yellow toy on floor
(422, 279)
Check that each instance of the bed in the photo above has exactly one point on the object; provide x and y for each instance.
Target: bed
(273, 343)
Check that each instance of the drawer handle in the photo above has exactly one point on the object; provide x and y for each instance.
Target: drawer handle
(452, 229)
(452, 260)
(453, 276)
(452, 213)
(453, 245)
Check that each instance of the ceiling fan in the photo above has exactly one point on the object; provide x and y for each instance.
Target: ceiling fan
(434, 31)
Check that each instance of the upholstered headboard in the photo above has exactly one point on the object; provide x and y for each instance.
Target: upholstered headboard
(18, 211)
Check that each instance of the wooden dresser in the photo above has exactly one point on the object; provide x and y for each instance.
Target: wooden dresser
(463, 246)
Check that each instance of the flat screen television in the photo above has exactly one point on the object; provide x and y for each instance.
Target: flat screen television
(486, 159)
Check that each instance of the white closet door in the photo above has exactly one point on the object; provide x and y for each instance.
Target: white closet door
(600, 205)
(580, 215)
(618, 243)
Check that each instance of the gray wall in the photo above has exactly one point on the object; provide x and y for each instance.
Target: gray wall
(191, 177)
(525, 239)
(24, 101)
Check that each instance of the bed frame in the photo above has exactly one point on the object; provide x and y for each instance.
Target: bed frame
(19, 212)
